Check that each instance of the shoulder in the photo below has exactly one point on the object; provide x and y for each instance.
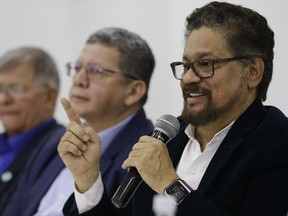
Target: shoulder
(140, 122)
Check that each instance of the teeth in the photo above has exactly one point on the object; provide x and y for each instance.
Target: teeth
(195, 94)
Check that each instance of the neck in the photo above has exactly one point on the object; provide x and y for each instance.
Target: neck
(100, 124)
(205, 133)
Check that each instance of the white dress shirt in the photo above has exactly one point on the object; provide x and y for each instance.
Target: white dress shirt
(55, 198)
(191, 168)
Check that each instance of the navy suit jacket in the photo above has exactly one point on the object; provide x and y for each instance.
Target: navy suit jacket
(111, 171)
(247, 176)
(118, 150)
(38, 163)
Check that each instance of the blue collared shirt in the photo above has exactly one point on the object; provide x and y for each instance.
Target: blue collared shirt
(11, 147)
(53, 201)
(109, 134)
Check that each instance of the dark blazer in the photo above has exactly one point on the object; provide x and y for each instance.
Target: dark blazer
(247, 176)
(111, 171)
(112, 159)
(39, 161)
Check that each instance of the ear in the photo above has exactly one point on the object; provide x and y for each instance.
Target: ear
(135, 91)
(51, 96)
(256, 70)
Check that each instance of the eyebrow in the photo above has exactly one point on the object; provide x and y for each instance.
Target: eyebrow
(198, 55)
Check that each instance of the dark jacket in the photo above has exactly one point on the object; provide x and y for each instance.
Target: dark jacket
(248, 175)
(32, 164)
(111, 171)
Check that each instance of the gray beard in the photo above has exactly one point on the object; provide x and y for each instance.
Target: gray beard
(209, 114)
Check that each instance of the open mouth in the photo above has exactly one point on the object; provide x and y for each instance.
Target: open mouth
(192, 95)
(194, 92)
(195, 95)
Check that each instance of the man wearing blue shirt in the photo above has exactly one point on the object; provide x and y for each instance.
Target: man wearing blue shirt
(29, 86)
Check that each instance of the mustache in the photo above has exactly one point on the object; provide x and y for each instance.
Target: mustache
(195, 88)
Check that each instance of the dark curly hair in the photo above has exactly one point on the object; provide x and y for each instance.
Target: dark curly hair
(245, 30)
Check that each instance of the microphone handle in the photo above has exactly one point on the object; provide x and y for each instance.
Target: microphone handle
(132, 179)
(127, 188)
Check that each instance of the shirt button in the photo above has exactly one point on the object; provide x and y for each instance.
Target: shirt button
(6, 176)
(193, 172)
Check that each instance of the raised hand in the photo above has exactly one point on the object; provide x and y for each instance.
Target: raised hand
(80, 150)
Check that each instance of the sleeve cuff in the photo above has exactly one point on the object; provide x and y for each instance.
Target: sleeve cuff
(90, 198)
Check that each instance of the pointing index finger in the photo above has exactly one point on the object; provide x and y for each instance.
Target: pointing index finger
(70, 112)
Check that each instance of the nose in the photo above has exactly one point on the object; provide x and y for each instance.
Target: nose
(5, 97)
(81, 78)
(190, 77)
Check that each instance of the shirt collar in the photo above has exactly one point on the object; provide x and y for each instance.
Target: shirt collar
(109, 134)
(17, 143)
(218, 137)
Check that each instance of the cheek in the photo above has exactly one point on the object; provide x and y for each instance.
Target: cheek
(20, 115)
(224, 88)
(31, 108)
(32, 105)
(107, 90)
(99, 97)
(235, 86)
(98, 92)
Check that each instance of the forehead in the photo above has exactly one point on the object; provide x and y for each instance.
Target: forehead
(99, 54)
(205, 42)
(19, 74)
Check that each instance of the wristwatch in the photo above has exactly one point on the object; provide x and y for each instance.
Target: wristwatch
(177, 191)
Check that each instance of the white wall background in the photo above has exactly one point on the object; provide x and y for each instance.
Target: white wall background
(62, 26)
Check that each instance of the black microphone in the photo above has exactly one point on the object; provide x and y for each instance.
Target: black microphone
(166, 128)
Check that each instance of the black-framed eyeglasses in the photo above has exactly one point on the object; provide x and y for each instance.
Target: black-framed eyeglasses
(91, 70)
(203, 68)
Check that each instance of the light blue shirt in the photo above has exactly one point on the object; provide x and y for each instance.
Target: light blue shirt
(109, 134)
(63, 186)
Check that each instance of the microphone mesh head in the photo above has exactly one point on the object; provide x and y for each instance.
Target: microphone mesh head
(168, 124)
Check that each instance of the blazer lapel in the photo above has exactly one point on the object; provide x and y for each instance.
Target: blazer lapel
(232, 142)
(129, 135)
(177, 145)
(107, 158)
